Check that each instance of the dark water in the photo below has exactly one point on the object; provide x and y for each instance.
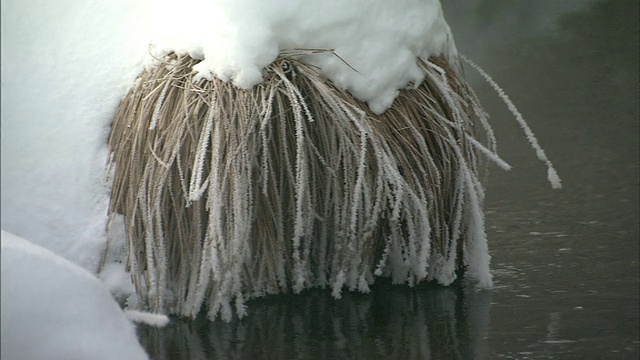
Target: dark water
(565, 262)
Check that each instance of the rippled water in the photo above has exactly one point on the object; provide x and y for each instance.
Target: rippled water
(565, 262)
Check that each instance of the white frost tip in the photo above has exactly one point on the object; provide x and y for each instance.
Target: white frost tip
(490, 154)
(553, 178)
(485, 283)
(146, 318)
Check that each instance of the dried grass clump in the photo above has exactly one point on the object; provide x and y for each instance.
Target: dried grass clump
(230, 194)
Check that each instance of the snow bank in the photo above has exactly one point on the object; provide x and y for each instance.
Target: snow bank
(53, 309)
(65, 66)
(380, 39)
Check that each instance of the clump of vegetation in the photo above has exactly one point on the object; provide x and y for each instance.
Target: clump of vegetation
(230, 194)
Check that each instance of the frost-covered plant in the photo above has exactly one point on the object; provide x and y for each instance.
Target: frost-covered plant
(230, 194)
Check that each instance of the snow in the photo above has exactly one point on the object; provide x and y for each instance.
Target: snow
(147, 318)
(65, 66)
(375, 43)
(53, 309)
(113, 273)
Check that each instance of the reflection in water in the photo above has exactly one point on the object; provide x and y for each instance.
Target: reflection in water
(393, 322)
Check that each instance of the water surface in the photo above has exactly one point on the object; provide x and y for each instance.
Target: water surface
(565, 262)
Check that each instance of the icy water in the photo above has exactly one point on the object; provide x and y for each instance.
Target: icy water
(565, 262)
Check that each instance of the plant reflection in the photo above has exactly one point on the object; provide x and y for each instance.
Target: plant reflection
(424, 322)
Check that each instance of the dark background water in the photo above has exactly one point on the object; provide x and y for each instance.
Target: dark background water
(565, 262)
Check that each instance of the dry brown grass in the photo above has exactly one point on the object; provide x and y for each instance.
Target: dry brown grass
(230, 194)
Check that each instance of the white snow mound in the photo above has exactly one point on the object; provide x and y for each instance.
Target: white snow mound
(53, 309)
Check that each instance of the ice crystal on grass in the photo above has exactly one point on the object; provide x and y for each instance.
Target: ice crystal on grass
(230, 194)
(552, 175)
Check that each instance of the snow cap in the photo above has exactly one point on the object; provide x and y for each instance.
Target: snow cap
(375, 43)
